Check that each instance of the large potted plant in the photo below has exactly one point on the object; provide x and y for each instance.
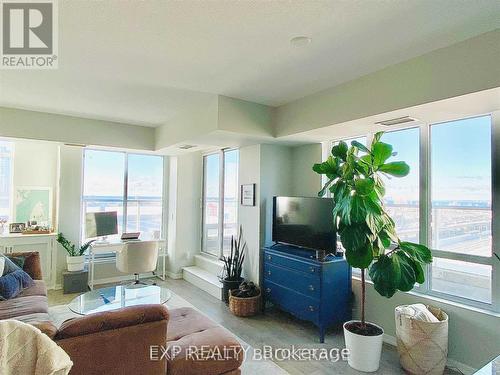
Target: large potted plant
(75, 259)
(233, 266)
(368, 235)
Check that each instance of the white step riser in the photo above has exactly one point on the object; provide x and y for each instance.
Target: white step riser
(205, 285)
(211, 265)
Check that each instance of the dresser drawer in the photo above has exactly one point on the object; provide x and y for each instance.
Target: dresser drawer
(295, 280)
(295, 264)
(295, 303)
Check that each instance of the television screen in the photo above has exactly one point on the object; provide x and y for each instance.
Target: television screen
(304, 222)
(98, 224)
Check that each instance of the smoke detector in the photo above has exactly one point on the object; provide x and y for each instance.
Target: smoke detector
(396, 121)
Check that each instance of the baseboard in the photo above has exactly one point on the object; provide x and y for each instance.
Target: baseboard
(450, 363)
(175, 276)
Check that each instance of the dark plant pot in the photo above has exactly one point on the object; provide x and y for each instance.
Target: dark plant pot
(228, 285)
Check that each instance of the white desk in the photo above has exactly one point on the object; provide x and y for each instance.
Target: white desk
(117, 246)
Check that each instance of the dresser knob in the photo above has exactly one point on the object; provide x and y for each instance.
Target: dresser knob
(311, 308)
(311, 288)
(269, 257)
(268, 290)
(312, 269)
(269, 273)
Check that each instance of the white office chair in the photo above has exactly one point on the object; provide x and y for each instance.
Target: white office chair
(138, 257)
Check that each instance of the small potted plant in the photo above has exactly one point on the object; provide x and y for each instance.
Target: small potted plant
(369, 236)
(245, 301)
(75, 258)
(233, 265)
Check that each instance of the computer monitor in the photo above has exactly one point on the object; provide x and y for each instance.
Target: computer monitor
(101, 224)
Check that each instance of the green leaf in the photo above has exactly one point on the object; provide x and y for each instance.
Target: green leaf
(354, 236)
(358, 210)
(340, 150)
(377, 136)
(381, 152)
(407, 278)
(420, 252)
(396, 168)
(385, 276)
(360, 146)
(330, 167)
(360, 258)
(364, 186)
(323, 190)
(419, 271)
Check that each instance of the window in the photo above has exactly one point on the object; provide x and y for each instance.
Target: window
(220, 201)
(402, 194)
(446, 203)
(461, 207)
(130, 184)
(6, 156)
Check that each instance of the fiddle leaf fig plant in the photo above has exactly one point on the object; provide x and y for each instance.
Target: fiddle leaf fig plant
(367, 232)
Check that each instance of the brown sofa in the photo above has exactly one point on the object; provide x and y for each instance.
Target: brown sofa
(181, 341)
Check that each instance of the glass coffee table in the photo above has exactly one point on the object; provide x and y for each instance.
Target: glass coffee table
(116, 297)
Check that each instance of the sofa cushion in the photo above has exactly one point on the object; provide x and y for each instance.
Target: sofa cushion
(13, 283)
(32, 264)
(34, 317)
(9, 266)
(197, 345)
(37, 289)
(23, 306)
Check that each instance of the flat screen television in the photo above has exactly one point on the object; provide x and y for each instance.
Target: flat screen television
(304, 222)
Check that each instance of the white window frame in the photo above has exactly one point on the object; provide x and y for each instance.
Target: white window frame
(425, 211)
(125, 199)
(10, 217)
(220, 222)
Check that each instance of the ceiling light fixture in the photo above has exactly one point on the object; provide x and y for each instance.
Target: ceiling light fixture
(396, 121)
(300, 41)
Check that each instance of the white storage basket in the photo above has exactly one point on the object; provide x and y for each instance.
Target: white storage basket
(422, 346)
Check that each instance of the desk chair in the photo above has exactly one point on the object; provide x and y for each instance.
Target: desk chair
(137, 257)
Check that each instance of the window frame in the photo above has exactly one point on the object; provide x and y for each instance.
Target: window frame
(220, 222)
(425, 210)
(125, 200)
(10, 209)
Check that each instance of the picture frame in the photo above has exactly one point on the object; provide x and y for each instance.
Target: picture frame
(247, 195)
(33, 203)
(17, 227)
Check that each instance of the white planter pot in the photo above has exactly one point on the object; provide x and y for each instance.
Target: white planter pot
(364, 351)
(75, 263)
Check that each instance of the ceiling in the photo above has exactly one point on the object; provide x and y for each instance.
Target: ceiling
(143, 62)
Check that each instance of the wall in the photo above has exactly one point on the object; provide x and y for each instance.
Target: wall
(462, 68)
(185, 185)
(35, 164)
(17, 123)
(305, 182)
(248, 216)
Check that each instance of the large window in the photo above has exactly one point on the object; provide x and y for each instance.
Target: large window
(220, 201)
(446, 203)
(130, 184)
(461, 207)
(6, 154)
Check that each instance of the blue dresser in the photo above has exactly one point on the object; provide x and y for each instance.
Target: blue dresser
(309, 289)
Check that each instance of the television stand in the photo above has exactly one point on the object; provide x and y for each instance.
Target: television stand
(311, 289)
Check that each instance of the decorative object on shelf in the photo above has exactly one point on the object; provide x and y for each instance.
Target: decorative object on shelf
(245, 301)
(422, 338)
(75, 258)
(33, 204)
(16, 227)
(366, 232)
(233, 265)
(2, 225)
(248, 195)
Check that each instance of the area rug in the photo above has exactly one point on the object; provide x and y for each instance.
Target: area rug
(251, 366)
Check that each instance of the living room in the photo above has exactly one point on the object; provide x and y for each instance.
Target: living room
(210, 187)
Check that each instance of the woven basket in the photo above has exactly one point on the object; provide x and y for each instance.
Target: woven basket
(244, 306)
(422, 346)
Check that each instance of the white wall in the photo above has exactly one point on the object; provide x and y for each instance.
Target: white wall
(248, 216)
(185, 185)
(305, 182)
